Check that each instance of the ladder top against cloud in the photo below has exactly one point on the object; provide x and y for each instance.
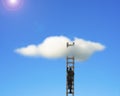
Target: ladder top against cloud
(55, 47)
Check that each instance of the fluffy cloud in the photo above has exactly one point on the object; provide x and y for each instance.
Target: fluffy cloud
(55, 47)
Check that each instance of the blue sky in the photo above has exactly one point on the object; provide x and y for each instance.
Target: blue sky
(96, 20)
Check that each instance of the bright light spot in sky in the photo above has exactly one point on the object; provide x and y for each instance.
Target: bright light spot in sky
(13, 1)
(12, 4)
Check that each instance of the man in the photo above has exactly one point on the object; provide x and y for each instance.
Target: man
(70, 78)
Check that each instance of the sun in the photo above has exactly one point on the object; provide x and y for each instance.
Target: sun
(12, 4)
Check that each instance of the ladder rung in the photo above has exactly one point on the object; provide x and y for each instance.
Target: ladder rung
(70, 62)
(70, 57)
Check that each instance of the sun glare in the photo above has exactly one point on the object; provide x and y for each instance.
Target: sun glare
(12, 4)
(13, 1)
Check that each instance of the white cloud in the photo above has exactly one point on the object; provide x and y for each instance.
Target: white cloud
(55, 47)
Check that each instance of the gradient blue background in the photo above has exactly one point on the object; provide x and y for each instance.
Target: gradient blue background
(96, 20)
